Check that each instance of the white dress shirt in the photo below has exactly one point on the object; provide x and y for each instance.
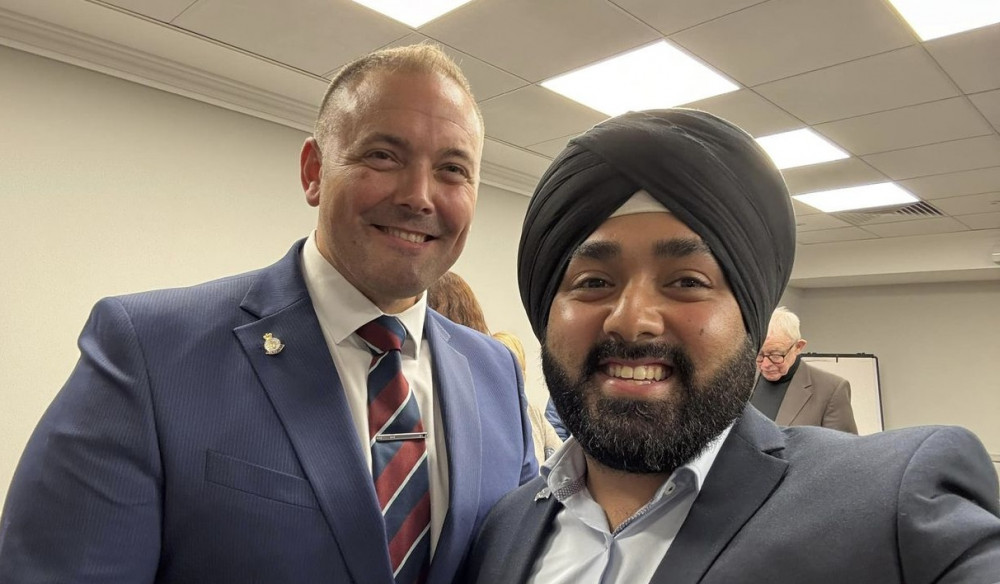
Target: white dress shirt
(582, 548)
(342, 310)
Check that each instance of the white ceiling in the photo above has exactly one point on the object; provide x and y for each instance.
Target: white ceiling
(924, 114)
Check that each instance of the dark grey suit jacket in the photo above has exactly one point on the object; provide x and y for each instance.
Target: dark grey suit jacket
(803, 504)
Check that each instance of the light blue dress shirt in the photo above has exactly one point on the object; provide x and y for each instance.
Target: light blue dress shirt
(583, 549)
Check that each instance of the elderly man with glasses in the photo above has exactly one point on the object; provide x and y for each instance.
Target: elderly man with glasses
(791, 392)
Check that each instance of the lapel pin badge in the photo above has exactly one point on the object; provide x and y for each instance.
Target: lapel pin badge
(272, 344)
(543, 494)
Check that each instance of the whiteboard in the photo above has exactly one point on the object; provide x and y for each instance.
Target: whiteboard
(861, 370)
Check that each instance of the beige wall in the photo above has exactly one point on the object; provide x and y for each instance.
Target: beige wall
(938, 347)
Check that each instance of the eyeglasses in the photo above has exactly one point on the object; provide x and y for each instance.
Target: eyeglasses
(776, 358)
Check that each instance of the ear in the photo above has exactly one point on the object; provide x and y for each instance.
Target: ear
(801, 344)
(310, 164)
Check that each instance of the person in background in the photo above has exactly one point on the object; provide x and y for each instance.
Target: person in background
(542, 433)
(552, 415)
(653, 252)
(792, 392)
(454, 299)
(298, 423)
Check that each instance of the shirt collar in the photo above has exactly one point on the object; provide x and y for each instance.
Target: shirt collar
(342, 309)
(565, 471)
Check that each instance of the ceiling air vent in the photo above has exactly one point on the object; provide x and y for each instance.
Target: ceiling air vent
(921, 210)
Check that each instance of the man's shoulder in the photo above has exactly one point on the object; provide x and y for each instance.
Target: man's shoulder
(467, 340)
(880, 450)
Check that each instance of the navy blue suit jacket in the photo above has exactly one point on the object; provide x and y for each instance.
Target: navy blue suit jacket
(802, 504)
(178, 451)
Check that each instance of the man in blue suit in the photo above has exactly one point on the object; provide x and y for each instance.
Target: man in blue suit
(221, 433)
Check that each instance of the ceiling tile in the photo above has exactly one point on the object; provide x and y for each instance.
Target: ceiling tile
(970, 58)
(967, 154)
(749, 111)
(486, 80)
(514, 158)
(918, 125)
(918, 227)
(830, 175)
(162, 10)
(312, 35)
(818, 221)
(537, 40)
(801, 209)
(988, 104)
(533, 114)
(883, 82)
(551, 148)
(676, 15)
(955, 184)
(781, 38)
(982, 203)
(981, 221)
(830, 235)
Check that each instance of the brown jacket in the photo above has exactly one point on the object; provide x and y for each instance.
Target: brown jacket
(817, 398)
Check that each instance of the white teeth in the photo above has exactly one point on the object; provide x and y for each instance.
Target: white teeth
(639, 373)
(407, 235)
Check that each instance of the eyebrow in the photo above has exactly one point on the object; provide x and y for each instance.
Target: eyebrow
(680, 247)
(598, 250)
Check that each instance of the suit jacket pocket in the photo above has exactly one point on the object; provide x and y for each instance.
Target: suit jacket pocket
(241, 475)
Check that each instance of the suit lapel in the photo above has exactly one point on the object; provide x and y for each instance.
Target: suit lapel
(798, 393)
(742, 478)
(305, 390)
(456, 395)
(537, 525)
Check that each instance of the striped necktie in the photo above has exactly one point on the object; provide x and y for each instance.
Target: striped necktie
(399, 452)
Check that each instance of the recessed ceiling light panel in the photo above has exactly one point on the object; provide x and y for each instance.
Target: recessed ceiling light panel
(655, 76)
(799, 148)
(932, 19)
(863, 197)
(414, 13)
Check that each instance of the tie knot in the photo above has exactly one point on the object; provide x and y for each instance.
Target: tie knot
(385, 333)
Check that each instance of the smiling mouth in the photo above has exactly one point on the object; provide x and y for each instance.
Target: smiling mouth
(411, 236)
(642, 373)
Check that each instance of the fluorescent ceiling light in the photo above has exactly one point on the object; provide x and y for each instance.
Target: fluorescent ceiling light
(799, 148)
(863, 197)
(655, 76)
(413, 13)
(937, 18)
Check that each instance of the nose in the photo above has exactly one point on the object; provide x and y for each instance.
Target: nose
(415, 189)
(637, 314)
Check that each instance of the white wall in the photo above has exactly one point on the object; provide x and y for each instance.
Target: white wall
(938, 347)
(111, 187)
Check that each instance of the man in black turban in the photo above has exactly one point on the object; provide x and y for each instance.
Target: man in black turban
(653, 253)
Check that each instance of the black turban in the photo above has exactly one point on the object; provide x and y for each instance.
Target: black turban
(709, 173)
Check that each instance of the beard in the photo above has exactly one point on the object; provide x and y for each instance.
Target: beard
(642, 436)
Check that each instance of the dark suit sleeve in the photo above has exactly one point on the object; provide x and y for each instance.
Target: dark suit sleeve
(948, 523)
(838, 414)
(84, 504)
